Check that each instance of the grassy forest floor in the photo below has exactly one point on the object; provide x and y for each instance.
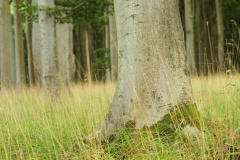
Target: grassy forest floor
(33, 129)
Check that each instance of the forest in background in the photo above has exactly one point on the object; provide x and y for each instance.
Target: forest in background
(86, 44)
(45, 44)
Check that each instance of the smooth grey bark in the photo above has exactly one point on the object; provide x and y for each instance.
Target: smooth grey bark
(5, 51)
(107, 74)
(29, 49)
(48, 51)
(19, 51)
(88, 57)
(220, 35)
(113, 47)
(1, 40)
(201, 62)
(190, 46)
(36, 53)
(153, 78)
(64, 46)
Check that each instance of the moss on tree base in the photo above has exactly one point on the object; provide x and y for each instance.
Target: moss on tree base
(179, 117)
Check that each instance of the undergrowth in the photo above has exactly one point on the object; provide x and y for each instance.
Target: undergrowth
(33, 129)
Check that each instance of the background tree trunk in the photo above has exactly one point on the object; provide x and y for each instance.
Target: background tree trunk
(48, 51)
(29, 49)
(113, 47)
(37, 63)
(19, 50)
(153, 78)
(107, 71)
(201, 62)
(6, 75)
(65, 56)
(189, 30)
(220, 35)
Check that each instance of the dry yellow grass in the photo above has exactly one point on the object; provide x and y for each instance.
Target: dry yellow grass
(33, 129)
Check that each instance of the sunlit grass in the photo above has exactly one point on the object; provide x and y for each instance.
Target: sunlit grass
(33, 129)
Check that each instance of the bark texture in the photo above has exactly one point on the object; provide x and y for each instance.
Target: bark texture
(6, 75)
(113, 47)
(220, 35)
(64, 45)
(189, 17)
(37, 63)
(48, 51)
(153, 79)
(19, 50)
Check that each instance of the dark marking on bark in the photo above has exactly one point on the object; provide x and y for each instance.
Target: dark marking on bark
(186, 72)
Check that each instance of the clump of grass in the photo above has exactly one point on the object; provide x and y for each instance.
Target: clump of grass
(33, 129)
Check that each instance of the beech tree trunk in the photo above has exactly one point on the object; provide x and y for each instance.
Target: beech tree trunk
(29, 49)
(5, 50)
(153, 80)
(19, 50)
(107, 71)
(189, 18)
(48, 51)
(113, 47)
(36, 53)
(1, 39)
(201, 62)
(220, 35)
(64, 45)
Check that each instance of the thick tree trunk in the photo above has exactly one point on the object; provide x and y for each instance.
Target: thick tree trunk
(48, 51)
(19, 51)
(220, 35)
(113, 47)
(5, 51)
(189, 18)
(37, 64)
(153, 79)
(1, 39)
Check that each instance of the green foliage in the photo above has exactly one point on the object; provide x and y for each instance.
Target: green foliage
(231, 12)
(72, 11)
(102, 63)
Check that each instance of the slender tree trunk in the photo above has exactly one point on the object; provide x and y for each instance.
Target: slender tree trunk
(153, 79)
(48, 51)
(108, 77)
(37, 63)
(189, 18)
(113, 47)
(13, 57)
(88, 56)
(19, 50)
(205, 39)
(220, 35)
(6, 75)
(65, 56)
(77, 51)
(201, 62)
(29, 50)
(71, 67)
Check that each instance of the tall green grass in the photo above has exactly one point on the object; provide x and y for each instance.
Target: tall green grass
(33, 129)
